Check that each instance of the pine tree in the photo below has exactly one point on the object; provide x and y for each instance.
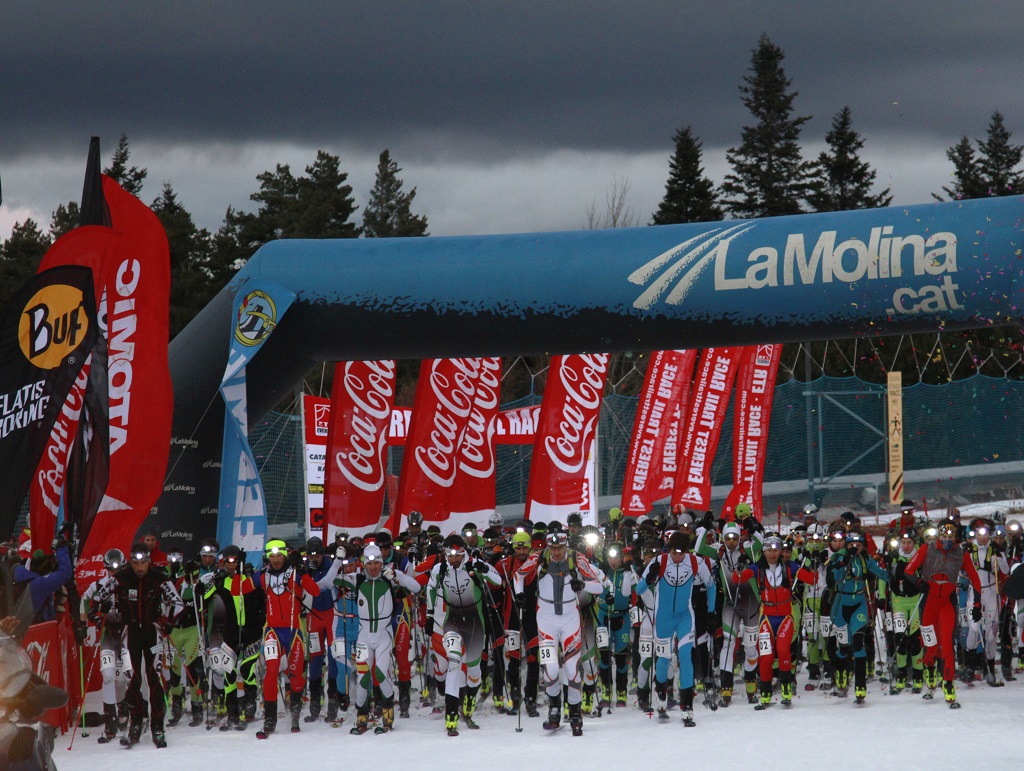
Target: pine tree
(130, 178)
(999, 160)
(64, 219)
(20, 256)
(389, 211)
(967, 179)
(842, 180)
(689, 195)
(769, 177)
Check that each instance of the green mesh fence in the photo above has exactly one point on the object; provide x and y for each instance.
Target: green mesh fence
(963, 442)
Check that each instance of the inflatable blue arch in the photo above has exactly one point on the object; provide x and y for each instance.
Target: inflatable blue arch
(806, 277)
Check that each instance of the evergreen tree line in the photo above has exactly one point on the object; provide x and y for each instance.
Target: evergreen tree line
(769, 177)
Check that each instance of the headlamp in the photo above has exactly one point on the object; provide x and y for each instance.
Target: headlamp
(140, 556)
(591, 539)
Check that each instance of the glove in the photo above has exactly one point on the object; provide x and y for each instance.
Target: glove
(577, 585)
(652, 574)
(471, 567)
(922, 586)
(389, 572)
(96, 618)
(166, 626)
(248, 569)
(519, 598)
(609, 597)
(753, 526)
(976, 612)
(80, 633)
(882, 604)
(295, 560)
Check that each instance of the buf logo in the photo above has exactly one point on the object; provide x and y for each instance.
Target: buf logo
(672, 274)
(257, 317)
(53, 324)
(321, 418)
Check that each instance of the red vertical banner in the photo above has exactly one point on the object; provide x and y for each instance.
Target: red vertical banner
(440, 414)
(362, 400)
(93, 247)
(568, 422)
(667, 379)
(472, 497)
(706, 412)
(755, 389)
(140, 396)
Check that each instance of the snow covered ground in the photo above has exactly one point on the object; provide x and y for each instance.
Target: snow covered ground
(817, 731)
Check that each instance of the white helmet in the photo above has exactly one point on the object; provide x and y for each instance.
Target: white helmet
(496, 520)
(371, 553)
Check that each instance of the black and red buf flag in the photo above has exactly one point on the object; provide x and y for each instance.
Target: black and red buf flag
(49, 330)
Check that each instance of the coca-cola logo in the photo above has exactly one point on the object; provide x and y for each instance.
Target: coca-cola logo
(452, 385)
(476, 452)
(582, 378)
(369, 388)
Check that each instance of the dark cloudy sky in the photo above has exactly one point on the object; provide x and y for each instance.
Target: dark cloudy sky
(506, 116)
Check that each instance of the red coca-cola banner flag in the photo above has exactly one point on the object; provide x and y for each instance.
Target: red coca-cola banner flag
(667, 379)
(360, 413)
(568, 422)
(472, 497)
(93, 248)
(705, 414)
(755, 389)
(440, 415)
(140, 394)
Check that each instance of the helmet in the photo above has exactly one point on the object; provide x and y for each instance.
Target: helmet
(275, 546)
(557, 538)
(732, 530)
(383, 539)
(232, 553)
(575, 519)
(907, 506)
(314, 545)
(810, 509)
(999, 531)
(1013, 527)
(855, 536)
(614, 514)
(998, 517)
(113, 559)
(209, 548)
(521, 538)
(415, 519)
(495, 520)
(372, 553)
(469, 529)
(615, 549)
(947, 530)
(743, 510)
(772, 542)
(139, 553)
(524, 525)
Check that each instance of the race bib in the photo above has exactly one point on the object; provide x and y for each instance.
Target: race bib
(511, 640)
(362, 653)
(843, 634)
(452, 643)
(809, 626)
(107, 660)
(646, 647)
(826, 627)
(634, 615)
(315, 645)
(888, 622)
(547, 653)
(764, 645)
(928, 636)
(338, 650)
(899, 623)
(602, 637)
(663, 649)
(271, 651)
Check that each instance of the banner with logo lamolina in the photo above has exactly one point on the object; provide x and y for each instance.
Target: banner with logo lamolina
(440, 415)
(90, 247)
(667, 380)
(755, 390)
(709, 400)
(473, 497)
(48, 332)
(140, 397)
(242, 511)
(563, 449)
(362, 399)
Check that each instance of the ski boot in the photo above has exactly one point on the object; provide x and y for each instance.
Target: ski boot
(643, 699)
(269, 719)
(788, 687)
(842, 678)
(404, 698)
(362, 722)
(991, 677)
(316, 698)
(621, 698)
(554, 713)
(1008, 675)
(576, 719)
(233, 723)
(710, 694)
(295, 709)
(177, 709)
(451, 714)
(813, 677)
(750, 685)
(860, 693)
(109, 724)
(661, 699)
(587, 704)
(134, 733)
(917, 682)
(469, 707)
(332, 708)
(899, 684)
(686, 705)
(764, 696)
(197, 714)
(726, 697)
(387, 717)
(530, 703)
(247, 710)
(949, 692)
(157, 731)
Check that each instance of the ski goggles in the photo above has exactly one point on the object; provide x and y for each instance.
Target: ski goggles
(175, 558)
(276, 547)
(557, 539)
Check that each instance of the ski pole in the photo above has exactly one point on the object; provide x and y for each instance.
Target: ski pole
(81, 707)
